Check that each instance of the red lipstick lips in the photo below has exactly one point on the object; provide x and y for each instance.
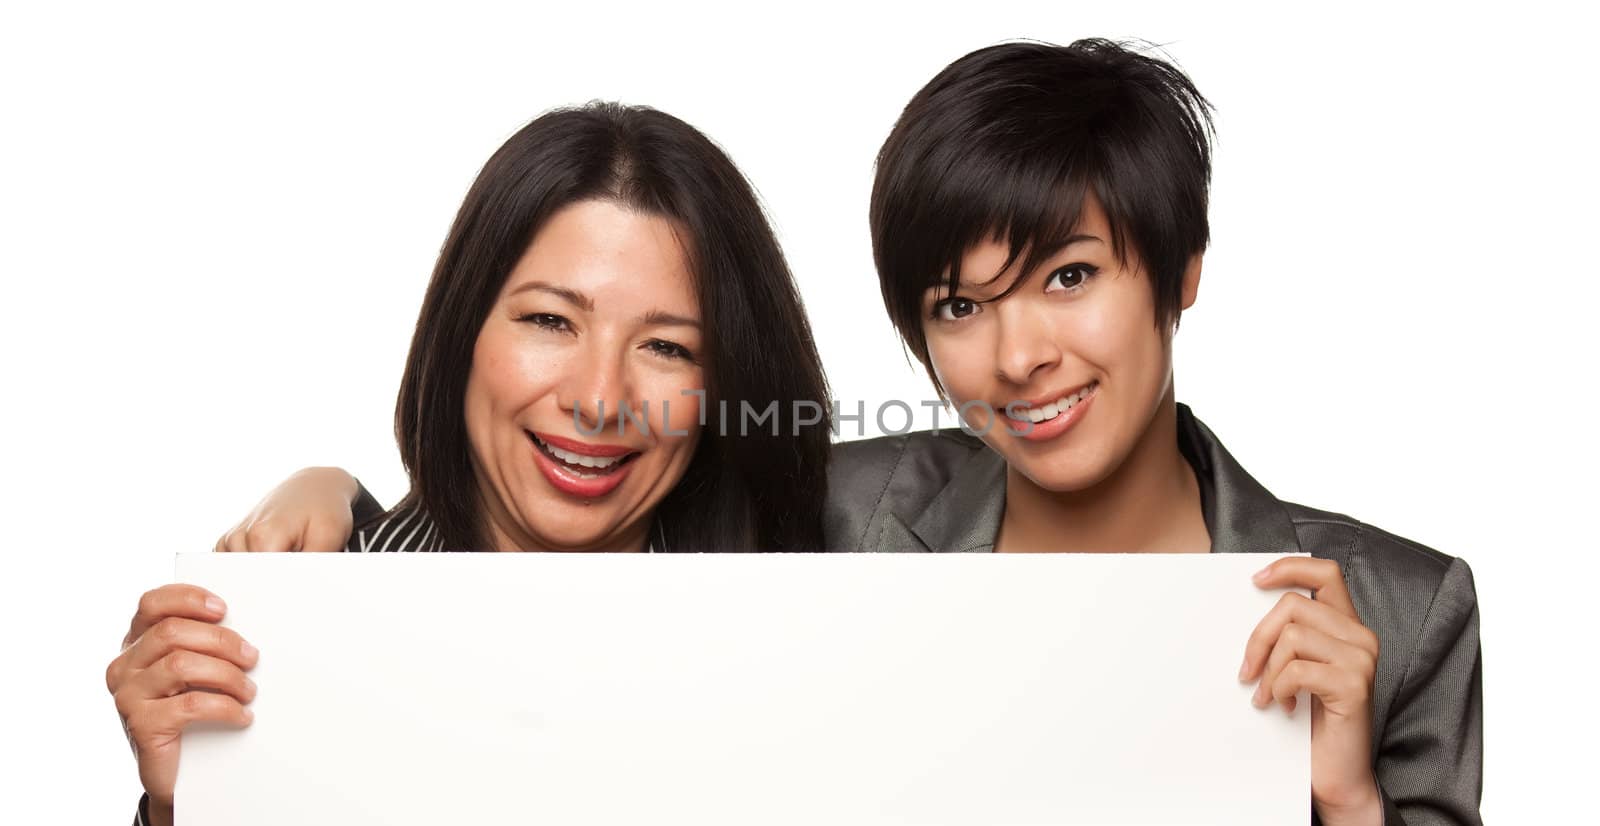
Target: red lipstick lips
(579, 469)
(586, 449)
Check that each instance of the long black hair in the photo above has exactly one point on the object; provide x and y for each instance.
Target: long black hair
(757, 492)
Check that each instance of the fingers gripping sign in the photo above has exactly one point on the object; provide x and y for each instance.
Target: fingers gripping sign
(177, 667)
(1317, 644)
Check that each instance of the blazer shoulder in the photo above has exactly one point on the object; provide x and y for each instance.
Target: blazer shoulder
(867, 476)
(1399, 587)
(1337, 536)
(1423, 606)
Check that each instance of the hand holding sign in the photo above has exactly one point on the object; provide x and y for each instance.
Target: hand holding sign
(177, 667)
(1319, 645)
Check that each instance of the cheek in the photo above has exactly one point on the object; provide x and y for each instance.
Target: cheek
(1103, 340)
(675, 398)
(508, 375)
(1127, 344)
(964, 370)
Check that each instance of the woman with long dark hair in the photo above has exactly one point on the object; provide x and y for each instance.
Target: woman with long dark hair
(609, 279)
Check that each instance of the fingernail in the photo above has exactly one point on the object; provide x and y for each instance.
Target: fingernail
(252, 684)
(249, 715)
(249, 651)
(1244, 668)
(216, 606)
(1260, 575)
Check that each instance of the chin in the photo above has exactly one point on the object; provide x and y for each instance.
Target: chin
(1062, 474)
(567, 524)
(1055, 481)
(572, 538)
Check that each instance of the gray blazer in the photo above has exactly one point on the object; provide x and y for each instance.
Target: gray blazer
(945, 491)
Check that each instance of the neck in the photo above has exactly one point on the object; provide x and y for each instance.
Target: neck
(1149, 504)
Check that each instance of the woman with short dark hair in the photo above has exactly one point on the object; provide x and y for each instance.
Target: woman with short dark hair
(1039, 223)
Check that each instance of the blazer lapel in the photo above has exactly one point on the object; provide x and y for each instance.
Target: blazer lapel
(1241, 515)
(965, 515)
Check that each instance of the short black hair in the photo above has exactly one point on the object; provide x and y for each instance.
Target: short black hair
(1007, 142)
(759, 492)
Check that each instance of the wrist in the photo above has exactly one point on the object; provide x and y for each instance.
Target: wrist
(158, 814)
(1360, 808)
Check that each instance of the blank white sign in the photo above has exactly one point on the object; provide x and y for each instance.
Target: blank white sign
(742, 689)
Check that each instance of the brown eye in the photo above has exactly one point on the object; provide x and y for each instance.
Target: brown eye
(549, 321)
(1069, 278)
(955, 309)
(669, 349)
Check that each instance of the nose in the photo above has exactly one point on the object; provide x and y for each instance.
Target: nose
(1024, 345)
(595, 386)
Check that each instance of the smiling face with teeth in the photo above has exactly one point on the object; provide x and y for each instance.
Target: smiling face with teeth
(1074, 350)
(600, 311)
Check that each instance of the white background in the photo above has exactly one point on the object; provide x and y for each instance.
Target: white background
(216, 225)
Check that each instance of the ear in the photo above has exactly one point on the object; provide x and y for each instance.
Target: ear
(1191, 281)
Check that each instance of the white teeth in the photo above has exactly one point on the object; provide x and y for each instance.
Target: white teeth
(1046, 412)
(579, 459)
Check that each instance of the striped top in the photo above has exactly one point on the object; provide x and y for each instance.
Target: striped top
(408, 529)
(404, 530)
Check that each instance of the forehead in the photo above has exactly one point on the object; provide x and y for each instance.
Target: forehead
(616, 255)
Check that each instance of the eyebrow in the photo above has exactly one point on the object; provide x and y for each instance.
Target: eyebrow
(659, 318)
(1048, 250)
(1051, 248)
(573, 297)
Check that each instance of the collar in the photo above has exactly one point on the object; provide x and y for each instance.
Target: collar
(1241, 515)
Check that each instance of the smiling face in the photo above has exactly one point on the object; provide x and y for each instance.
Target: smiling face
(600, 312)
(1074, 350)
